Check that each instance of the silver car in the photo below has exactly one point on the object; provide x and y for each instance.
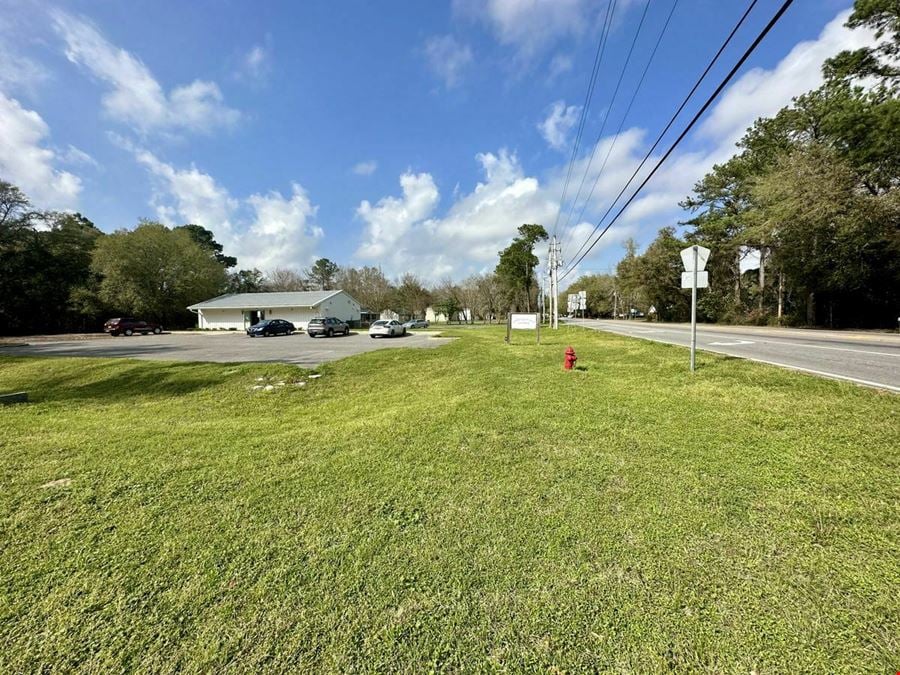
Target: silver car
(386, 328)
(416, 323)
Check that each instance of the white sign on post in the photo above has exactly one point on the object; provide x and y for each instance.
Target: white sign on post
(523, 321)
(517, 321)
(687, 257)
(687, 279)
(694, 277)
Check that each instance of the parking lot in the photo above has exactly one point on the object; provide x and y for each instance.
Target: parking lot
(224, 347)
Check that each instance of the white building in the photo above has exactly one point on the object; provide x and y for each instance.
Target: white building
(433, 316)
(238, 311)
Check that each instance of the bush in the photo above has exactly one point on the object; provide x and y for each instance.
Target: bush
(756, 317)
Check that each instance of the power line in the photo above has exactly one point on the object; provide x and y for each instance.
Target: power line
(598, 58)
(609, 108)
(684, 102)
(697, 116)
(621, 124)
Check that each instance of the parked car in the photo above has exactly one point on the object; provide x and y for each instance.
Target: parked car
(269, 327)
(386, 328)
(128, 325)
(327, 326)
(416, 323)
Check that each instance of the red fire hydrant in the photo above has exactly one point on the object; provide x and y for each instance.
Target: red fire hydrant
(570, 358)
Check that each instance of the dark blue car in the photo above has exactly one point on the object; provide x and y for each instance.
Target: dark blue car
(271, 327)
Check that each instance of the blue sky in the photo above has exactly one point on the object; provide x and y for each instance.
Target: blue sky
(412, 135)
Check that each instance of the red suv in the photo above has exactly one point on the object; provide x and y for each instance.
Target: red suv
(129, 326)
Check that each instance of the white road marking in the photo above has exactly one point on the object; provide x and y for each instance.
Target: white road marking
(835, 376)
(837, 349)
(764, 340)
(823, 373)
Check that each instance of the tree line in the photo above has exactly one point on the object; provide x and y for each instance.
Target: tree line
(59, 273)
(812, 195)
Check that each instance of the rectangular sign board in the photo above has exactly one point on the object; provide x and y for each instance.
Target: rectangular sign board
(519, 321)
(687, 279)
(523, 321)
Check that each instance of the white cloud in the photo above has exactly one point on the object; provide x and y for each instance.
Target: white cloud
(530, 25)
(264, 230)
(559, 121)
(762, 93)
(366, 168)
(282, 232)
(256, 64)
(191, 194)
(389, 221)
(135, 97)
(77, 156)
(18, 73)
(559, 64)
(447, 58)
(26, 162)
(402, 234)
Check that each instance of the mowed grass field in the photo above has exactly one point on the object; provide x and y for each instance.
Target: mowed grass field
(468, 508)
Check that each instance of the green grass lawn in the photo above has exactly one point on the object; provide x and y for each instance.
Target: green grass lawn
(472, 507)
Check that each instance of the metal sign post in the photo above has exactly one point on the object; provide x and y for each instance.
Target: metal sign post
(694, 314)
(694, 277)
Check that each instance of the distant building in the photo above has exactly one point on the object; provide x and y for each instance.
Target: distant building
(433, 316)
(238, 311)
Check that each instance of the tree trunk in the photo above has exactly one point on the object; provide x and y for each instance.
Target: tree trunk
(737, 278)
(811, 309)
(780, 295)
(762, 279)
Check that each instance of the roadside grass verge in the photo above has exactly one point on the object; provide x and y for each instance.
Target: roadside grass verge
(471, 507)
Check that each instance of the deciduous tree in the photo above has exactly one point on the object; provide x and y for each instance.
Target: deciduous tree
(155, 272)
(517, 262)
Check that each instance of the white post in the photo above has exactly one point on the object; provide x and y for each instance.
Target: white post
(694, 312)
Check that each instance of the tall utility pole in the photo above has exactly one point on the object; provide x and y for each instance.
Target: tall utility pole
(541, 290)
(554, 263)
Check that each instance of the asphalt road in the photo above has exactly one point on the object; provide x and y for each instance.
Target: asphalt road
(225, 347)
(871, 359)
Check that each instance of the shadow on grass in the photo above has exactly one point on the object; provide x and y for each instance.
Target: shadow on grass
(62, 381)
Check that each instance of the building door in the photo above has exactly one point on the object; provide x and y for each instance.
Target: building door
(253, 317)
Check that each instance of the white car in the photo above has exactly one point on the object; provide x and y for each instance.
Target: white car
(386, 328)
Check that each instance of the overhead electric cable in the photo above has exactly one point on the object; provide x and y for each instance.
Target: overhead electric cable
(668, 126)
(759, 38)
(612, 102)
(592, 83)
(618, 131)
(662, 134)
